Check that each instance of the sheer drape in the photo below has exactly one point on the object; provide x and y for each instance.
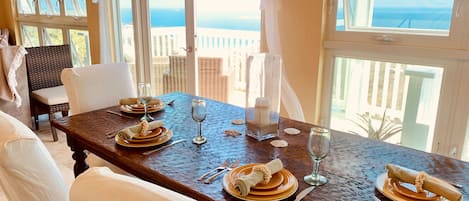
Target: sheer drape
(107, 35)
(290, 101)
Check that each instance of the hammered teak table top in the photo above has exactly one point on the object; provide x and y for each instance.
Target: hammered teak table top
(352, 166)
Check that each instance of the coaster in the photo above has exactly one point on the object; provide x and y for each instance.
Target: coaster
(238, 121)
(279, 143)
(291, 131)
(232, 133)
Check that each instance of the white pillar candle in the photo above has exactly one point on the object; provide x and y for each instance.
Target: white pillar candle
(262, 108)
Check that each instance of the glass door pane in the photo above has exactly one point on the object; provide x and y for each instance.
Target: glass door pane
(26, 7)
(428, 16)
(127, 35)
(227, 32)
(168, 41)
(392, 102)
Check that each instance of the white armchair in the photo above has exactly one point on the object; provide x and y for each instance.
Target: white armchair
(95, 87)
(27, 170)
(28, 173)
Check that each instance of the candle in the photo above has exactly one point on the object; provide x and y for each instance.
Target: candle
(262, 111)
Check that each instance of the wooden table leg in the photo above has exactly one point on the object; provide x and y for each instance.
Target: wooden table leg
(78, 155)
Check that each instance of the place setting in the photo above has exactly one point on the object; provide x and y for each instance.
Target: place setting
(144, 134)
(143, 104)
(260, 182)
(404, 184)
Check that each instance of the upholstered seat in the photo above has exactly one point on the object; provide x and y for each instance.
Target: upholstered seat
(51, 96)
(28, 173)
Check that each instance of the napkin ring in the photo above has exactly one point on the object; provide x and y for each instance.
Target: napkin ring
(144, 128)
(419, 180)
(267, 174)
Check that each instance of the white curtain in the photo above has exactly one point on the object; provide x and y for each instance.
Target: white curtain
(289, 99)
(106, 39)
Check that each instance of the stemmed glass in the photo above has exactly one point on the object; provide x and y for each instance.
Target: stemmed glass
(199, 112)
(318, 147)
(144, 97)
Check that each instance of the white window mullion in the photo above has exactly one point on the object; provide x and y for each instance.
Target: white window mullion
(191, 49)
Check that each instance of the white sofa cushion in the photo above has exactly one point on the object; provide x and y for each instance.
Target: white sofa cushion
(97, 86)
(51, 96)
(100, 183)
(27, 170)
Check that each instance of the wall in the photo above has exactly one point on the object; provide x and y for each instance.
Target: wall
(301, 39)
(7, 18)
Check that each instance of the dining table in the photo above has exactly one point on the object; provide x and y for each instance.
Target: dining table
(351, 167)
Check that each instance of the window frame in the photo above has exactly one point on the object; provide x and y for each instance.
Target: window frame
(451, 52)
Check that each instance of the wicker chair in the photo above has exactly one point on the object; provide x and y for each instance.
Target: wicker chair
(47, 94)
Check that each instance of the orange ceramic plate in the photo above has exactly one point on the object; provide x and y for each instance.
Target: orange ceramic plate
(228, 185)
(276, 180)
(153, 108)
(410, 191)
(383, 185)
(152, 134)
(157, 141)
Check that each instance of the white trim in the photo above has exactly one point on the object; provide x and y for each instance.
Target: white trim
(191, 48)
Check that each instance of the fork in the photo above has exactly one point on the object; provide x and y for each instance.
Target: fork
(221, 167)
(213, 177)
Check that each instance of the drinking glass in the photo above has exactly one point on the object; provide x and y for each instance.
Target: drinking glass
(144, 97)
(199, 112)
(318, 147)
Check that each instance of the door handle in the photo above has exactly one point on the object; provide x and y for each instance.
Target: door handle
(188, 49)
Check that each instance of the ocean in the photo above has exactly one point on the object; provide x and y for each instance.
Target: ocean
(417, 18)
(176, 17)
(414, 18)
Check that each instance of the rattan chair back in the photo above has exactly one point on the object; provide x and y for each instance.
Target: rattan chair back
(44, 65)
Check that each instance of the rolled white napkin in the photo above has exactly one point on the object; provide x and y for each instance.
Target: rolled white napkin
(430, 183)
(259, 173)
(139, 129)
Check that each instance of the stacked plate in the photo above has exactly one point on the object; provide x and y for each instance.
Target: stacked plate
(153, 138)
(282, 185)
(139, 109)
(400, 191)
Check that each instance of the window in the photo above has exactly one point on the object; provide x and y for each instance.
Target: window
(405, 59)
(50, 22)
(172, 43)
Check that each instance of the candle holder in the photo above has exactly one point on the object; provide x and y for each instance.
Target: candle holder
(263, 96)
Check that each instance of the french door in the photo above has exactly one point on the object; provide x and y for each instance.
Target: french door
(199, 47)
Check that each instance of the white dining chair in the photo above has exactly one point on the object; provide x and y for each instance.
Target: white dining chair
(95, 87)
(28, 173)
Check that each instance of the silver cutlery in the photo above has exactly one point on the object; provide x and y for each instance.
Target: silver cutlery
(170, 103)
(163, 147)
(213, 177)
(219, 168)
(119, 114)
(303, 193)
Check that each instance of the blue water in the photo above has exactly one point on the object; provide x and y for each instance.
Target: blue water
(428, 18)
(415, 18)
(176, 17)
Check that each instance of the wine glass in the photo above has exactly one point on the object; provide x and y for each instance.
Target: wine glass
(318, 147)
(144, 97)
(199, 112)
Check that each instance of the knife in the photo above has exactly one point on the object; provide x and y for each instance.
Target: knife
(303, 193)
(163, 147)
(119, 114)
